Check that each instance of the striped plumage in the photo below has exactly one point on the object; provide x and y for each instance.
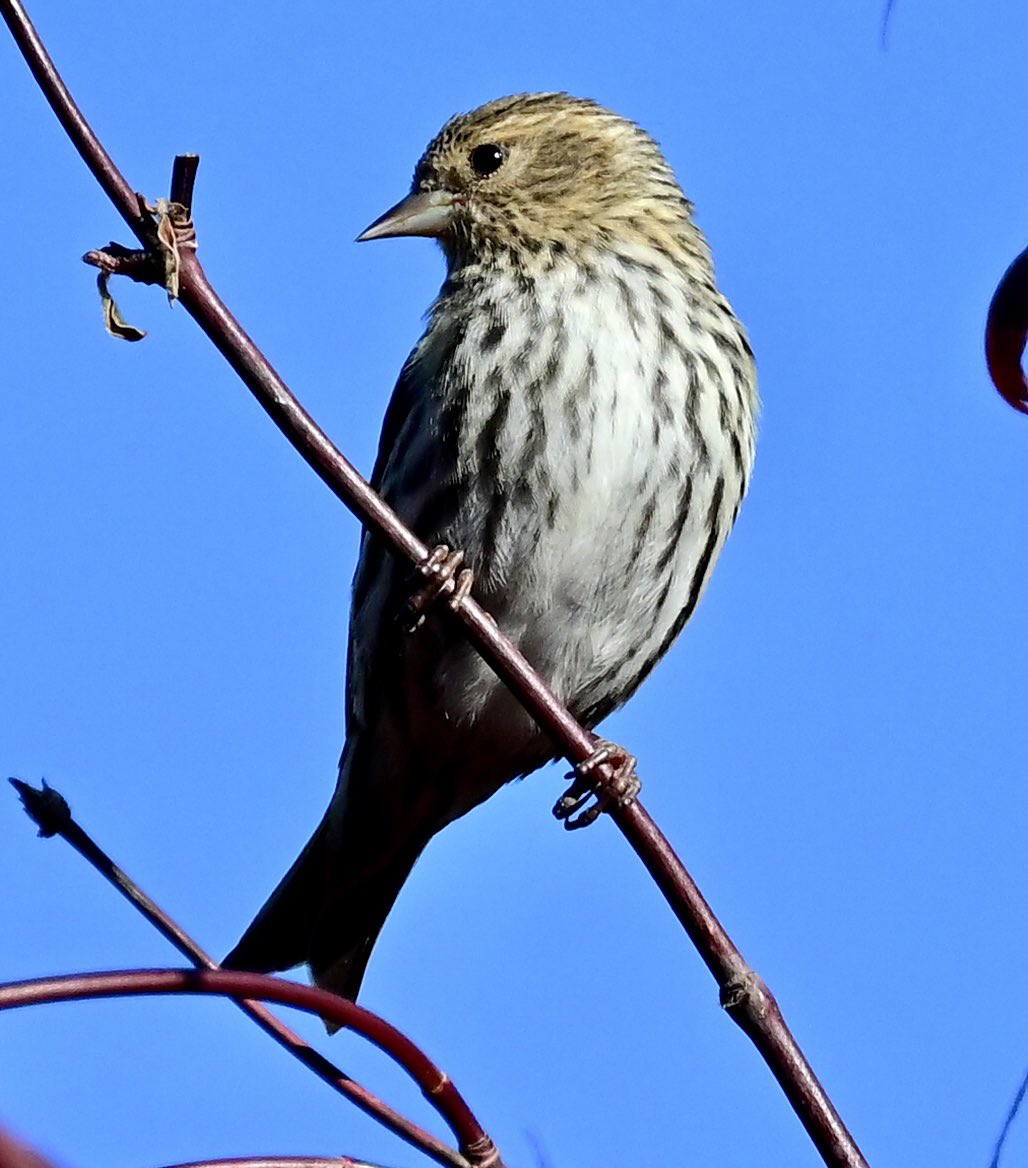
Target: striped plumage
(579, 419)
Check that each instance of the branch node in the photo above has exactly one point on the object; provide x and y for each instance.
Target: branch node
(439, 1087)
(175, 234)
(483, 1153)
(743, 992)
(159, 264)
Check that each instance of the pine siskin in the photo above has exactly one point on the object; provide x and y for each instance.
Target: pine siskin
(578, 418)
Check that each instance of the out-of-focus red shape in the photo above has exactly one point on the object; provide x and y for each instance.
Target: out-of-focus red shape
(14, 1155)
(1006, 331)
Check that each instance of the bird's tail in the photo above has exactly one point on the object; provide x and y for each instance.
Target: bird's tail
(329, 908)
(325, 914)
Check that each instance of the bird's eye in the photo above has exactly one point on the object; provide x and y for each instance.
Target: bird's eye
(487, 159)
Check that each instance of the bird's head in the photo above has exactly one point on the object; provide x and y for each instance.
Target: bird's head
(542, 175)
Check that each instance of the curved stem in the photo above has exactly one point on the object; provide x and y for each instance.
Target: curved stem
(49, 810)
(1006, 331)
(436, 1086)
(276, 1162)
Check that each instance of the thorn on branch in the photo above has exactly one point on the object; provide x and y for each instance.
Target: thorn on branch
(48, 809)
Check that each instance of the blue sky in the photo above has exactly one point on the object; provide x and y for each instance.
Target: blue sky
(836, 746)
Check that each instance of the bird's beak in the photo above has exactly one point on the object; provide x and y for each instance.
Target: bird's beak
(422, 213)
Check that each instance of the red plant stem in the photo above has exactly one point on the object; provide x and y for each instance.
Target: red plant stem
(51, 813)
(742, 992)
(1005, 332)
(437, 1087)
(15, 1155)
(276, 1162)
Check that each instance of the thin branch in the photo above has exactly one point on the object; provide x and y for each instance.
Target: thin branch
(50, 812)
(89, 146)
(883, 31)
(1008, 1122)
(437, 1087)
(277, 1162)
(743, 994)
(1005, 332)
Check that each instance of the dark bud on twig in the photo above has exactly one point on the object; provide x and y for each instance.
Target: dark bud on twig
(47, 808)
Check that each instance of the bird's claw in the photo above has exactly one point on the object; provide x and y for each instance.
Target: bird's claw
(439, 567)
(608, 776)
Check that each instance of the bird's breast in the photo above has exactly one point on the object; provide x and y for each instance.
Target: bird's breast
(572, 405)
(585, 438)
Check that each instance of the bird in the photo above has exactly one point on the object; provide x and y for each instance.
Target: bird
(578, 419)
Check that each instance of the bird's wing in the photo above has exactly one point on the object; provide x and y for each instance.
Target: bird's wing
(401, 404)
(412, 474)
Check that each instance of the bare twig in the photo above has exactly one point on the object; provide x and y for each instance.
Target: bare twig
(135, 262)
(277, 1162)
(1005, 332)
(883, 31)
(743, 994)
(1008, 1122)
(437, 1087)
(15, 1155)
(183, 179)
(52, 815)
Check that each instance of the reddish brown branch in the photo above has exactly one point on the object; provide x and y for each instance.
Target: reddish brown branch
(1006, 331)
(276, 1162)
(748, 1002)
(183, 179)
(437, 1087)
(15, 1155)
(50, 812)
(136, 263)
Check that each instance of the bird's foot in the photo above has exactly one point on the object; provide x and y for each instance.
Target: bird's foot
(439, 567)
(608, 776)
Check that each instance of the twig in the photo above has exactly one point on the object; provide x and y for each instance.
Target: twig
(277, 1162)
(883, 31)
(14, 1155)
(1008, 1122)
(743, 994)
(1005, 332)
(183, 179)
(437, 1087)
(50, 812)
